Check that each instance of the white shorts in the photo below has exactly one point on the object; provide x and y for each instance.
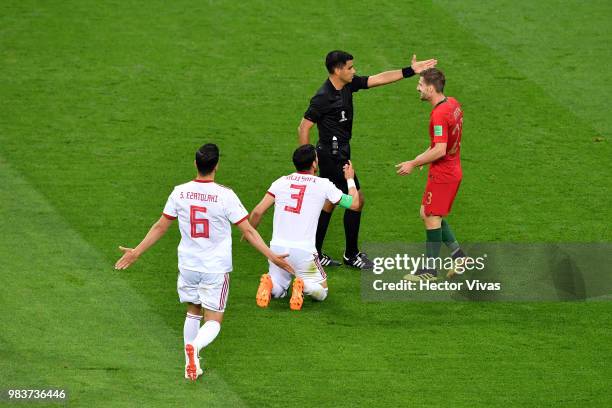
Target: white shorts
(305, 263)
(207, 289)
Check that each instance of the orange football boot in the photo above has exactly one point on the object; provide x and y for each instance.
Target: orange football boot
(264, 291)
(191, 371)
(297, 294)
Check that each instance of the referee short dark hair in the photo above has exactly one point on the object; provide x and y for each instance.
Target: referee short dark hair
(206, 158)
(304, 156)
(336, 59)
(435, 77)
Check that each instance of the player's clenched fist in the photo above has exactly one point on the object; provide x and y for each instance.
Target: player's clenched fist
(349, 172)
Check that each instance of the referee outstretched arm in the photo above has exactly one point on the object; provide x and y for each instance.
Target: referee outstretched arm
(373, 81)
(388, 77)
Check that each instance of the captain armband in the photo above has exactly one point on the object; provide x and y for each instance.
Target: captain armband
(346, 201)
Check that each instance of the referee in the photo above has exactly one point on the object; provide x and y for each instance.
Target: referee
(331, 108)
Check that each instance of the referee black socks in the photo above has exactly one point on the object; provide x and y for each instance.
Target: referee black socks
(352, 221)
(322, 230)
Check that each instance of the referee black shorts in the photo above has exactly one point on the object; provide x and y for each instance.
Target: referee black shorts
(330, 165)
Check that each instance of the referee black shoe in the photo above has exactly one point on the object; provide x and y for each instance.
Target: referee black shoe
(359, 261)
(326, 260)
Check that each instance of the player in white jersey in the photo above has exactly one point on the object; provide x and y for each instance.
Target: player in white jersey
(205, 212)
(298, 199)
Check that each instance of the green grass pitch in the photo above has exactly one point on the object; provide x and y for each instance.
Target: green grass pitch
(102, 105)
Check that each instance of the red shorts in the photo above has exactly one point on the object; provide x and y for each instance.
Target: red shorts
(438, 197)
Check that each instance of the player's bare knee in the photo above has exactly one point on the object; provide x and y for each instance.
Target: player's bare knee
(213, 315)
(433, 221)
(194, 309)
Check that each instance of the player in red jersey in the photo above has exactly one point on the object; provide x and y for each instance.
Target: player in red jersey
(444, 178)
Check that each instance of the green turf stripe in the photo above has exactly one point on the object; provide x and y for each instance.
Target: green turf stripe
(69, 320)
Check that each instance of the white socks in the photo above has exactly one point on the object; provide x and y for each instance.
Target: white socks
(191, 327)
(200, 337)
(190, 330)
(278, 291)
(206, 334)
(315, 291)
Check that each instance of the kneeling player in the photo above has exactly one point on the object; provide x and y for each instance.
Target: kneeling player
(205, 211)
(298, 199)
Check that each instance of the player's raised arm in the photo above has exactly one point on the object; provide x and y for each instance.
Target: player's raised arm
(261, 208)
(255, 239)
(304, 131)
(155, 233)
(388, 77)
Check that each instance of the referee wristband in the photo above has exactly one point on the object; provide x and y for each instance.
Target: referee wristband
(351, 183)
(407, 72)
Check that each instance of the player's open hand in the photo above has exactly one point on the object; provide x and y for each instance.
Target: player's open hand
(280, 261)
(405, 168)
(129, 257)
(420, 66)
(349, 172)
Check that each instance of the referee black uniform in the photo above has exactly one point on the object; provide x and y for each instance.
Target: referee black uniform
(332, 111)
